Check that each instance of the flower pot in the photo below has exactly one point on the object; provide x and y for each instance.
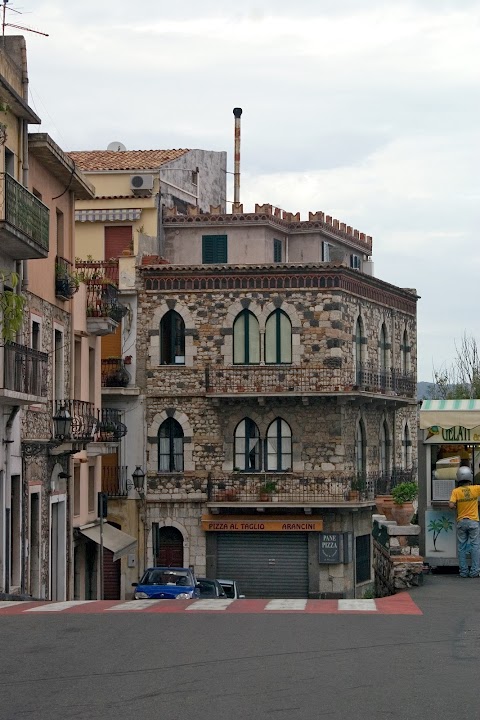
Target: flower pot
(231, 494)
(265, 497)
(403, 513)
(384, 505)
(354, 495)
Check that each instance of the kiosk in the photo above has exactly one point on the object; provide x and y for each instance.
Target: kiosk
(449, 433)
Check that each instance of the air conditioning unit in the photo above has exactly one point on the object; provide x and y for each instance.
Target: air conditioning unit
(141, 184)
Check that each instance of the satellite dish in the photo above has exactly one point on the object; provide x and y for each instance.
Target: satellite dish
(116, 146)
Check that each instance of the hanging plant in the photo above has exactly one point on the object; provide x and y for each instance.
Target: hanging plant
(12, 307)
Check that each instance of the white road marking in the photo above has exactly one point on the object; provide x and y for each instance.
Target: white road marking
(9, 603)
(58, 606)
(363, 605)
(134, 605)
(286, 605)
(212, 604)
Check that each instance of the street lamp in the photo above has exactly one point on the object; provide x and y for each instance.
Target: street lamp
(138, 477)
(62, 423)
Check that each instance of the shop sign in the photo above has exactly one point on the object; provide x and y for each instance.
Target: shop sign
(437, 435)
(255, 524)
(330, 548)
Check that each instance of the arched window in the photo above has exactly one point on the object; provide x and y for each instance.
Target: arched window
(383, 348)
(278, 338)
(360, 450)
(405, 353)
(246, 339)
(384, 450)
(279, 446)
(247, 446)
(170, 446)
(357, 350)
(172, 339)
(406, 449)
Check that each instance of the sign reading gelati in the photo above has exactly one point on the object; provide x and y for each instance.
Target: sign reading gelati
(255, 524)
(457, 434)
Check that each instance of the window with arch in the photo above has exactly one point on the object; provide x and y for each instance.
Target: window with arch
(406, 448)
(170, 446)
(405, 356)
(247, 446)
(279, 446)
(385, 463)
(172, 339)
(360, 450)
(246, 339)
(278, 338)
(357, 350)
(383, 348)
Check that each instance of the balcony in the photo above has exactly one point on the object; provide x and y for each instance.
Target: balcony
(294, 489)
(110, 428)
(99, 270)
(83, 420)
(66, 279)
(115, 480)
(104, 312)
(24, 221)
(306, 380)
(24, 375)
(116, 378)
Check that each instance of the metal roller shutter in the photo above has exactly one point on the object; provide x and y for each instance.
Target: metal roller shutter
(265, 564)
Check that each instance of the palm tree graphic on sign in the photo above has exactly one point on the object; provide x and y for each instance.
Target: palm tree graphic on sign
(437, 526)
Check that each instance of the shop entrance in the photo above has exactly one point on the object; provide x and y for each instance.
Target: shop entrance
(265, 564)
(169, 547)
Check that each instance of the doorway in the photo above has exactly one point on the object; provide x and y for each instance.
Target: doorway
(169, 547)
(58, 550)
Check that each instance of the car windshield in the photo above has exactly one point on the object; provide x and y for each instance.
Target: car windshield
(207, 588)
(166, 577)
(228, 589)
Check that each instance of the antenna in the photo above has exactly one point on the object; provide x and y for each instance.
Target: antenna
(17, 27)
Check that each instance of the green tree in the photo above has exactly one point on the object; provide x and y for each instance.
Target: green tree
(462, 378)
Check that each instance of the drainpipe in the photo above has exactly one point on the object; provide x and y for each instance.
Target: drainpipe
(8, 489)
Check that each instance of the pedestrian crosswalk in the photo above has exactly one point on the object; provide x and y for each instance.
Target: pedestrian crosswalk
(401, 604)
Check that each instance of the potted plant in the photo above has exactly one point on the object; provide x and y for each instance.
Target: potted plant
(403, 496)
(357, 487)
(266, 490)
(220, 493)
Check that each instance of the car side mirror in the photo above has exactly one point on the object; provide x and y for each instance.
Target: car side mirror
(134, 584)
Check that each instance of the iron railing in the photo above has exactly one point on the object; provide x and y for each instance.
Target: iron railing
(99, 270)
(298, 488)
(83, 421)
(66, 279)
(114, 373)
(110, 427)
(115, 480)
(24, 370)
(25, 212)
(102, 300)
(292, 379)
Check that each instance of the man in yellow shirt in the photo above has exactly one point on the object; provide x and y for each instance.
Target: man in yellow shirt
(465, 499)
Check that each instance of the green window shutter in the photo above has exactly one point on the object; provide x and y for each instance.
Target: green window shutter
(214, 249)
(277, 250)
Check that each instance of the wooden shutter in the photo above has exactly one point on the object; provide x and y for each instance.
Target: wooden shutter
(117, 239)
(214, 249)
(112, 344)
(277, 250)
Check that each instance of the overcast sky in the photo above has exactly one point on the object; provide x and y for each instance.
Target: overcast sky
(368, 110)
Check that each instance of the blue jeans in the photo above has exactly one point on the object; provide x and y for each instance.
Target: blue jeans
(468, 533)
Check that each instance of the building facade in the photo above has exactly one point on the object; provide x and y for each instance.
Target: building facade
(279, 377)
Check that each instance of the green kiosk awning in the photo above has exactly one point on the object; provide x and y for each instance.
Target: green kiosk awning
(450, 413)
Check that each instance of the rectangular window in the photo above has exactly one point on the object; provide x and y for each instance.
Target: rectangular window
(91, 488)
(277, 250)
(362, 558)
(76, 491)
(214, 249)
(58, 350)
(35, 335)
(355, 262)
(60, 234)
(9, 162)
(326, 251)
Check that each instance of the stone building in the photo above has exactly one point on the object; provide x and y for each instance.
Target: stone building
(279, 376)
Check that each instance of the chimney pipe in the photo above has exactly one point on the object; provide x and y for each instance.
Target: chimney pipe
(236, 175)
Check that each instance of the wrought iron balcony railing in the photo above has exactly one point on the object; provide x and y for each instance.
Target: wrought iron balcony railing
(99, 270)
(110, 427)
(114, 373)
(25, 212)
(66, 278)
(292, 379)
(115, 480)
(24, 369)
(83, 420)
(102, 300)
(299, 488)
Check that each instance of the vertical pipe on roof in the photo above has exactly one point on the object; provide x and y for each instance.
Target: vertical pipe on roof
(236, 175)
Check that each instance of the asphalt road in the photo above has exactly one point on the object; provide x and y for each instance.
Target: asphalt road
(295, 666)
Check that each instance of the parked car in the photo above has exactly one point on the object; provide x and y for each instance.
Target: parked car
(231, 589)
(210, 589)
(167, 583)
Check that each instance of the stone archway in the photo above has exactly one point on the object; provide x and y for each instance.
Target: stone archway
(169, 547)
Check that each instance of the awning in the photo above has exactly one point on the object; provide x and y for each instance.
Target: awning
(113, 215)
(450, 413)
(113, 539)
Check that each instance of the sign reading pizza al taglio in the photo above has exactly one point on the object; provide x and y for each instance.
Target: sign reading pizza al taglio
(245, 524)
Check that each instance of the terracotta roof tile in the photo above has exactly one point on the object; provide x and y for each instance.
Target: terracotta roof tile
(123, 160)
